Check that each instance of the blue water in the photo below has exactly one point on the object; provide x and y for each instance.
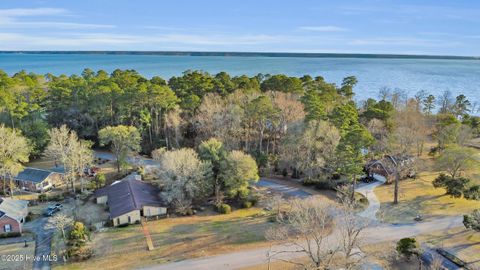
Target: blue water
(410, 75)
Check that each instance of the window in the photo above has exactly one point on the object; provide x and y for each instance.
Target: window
(7, 228)
(129, 219)
(118, 221)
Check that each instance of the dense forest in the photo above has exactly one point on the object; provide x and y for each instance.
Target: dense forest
(291, 124)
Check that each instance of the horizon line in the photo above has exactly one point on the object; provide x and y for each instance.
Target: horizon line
(245, 54)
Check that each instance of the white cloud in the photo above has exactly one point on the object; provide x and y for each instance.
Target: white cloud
(14, 41)
(11, 19)
(28, 12)
(403, 41)
(323, 28)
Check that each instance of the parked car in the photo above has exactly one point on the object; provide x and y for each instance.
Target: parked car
(52, 209)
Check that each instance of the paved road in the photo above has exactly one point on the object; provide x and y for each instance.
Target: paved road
(134, 160)
(248, 258)
(43, 242)
(288, 191)
(367, 190)
(376, 233)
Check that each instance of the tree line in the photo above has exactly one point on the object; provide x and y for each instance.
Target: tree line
(302, 126)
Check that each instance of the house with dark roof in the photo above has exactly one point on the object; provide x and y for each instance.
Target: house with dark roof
(38, 180)
(12, 215)
(386, 167)
(130, 199)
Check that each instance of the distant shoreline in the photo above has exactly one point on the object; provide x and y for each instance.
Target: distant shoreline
(253, 54)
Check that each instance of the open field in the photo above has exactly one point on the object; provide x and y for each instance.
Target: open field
(177, 239)
(419, 197)
(20, 261)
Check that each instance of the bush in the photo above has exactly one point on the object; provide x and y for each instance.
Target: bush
(10, 234)
(285, 172)
(309, 182)
(325, 184)
(455, 186)
(363, 201)
(79, 253)
(224, 208)
(408, 247)
(29, 217)
(56, 198)
(247, 204)
(42, 197)
(473, 193)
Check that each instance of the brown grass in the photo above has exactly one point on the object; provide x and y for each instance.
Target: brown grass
(419, 197)
(465, 244)
(18, 262)
(176, 239)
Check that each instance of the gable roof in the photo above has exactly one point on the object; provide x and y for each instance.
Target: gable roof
(13, 208)
(389, 163)
(129, 195)
(33, 175)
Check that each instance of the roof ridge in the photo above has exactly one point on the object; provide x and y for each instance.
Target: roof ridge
(131, 193)
(38, 169)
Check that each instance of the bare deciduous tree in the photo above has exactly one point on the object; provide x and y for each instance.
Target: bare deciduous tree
(310, 146)
(307, 229)
(304, 229)
(60, 222)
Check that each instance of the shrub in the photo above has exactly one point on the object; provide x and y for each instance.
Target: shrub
(325, 184)
(42, 197)
(10, 234)
(224, 208)
(473, 193)
(309, 182)
(247, 204)
(29, 217)
(408, 247)
(79, 253)
(454, 186)
(56, 198)
(363, 201)
(285, 172)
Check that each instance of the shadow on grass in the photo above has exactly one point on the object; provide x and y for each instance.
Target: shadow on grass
(406, 211)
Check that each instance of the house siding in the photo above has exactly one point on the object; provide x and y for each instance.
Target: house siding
(102, 199)
(15, 225)
(151, 211)
(123, 219)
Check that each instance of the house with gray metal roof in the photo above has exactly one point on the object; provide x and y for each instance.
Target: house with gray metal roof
(131, 199)
(12, 215)
(38, 180)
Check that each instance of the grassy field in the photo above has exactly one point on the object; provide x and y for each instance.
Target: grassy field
(419, 197)
(176, 239)
(20, 250)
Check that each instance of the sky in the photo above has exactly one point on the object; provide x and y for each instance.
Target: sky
(433, 27)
